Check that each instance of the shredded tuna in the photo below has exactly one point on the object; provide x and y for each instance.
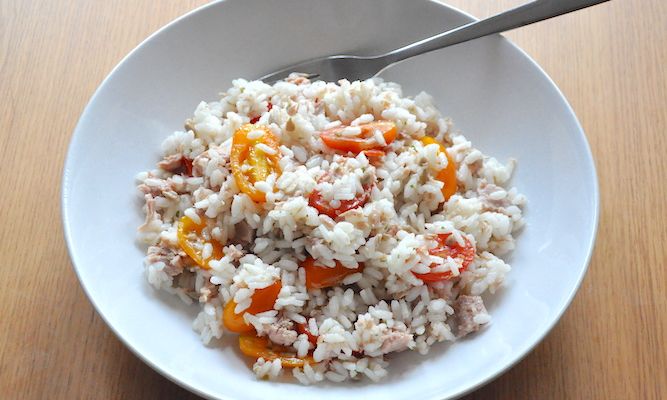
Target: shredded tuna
(151, 214)
(298, 79)
(282, 333)
(234, 252)
(174, 259)
(161, 187)
(468, 310)
(395, 340)
(244, 234)
(207, 291)
(186, 281)
(485, 191)
(393, 230)
(219, 153)
(172, 163)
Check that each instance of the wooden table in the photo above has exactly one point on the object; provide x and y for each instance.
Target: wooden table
(610, 63)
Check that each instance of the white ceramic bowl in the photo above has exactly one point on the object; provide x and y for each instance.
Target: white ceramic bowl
(496, 95)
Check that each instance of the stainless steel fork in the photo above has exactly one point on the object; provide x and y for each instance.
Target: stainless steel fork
(333, 68)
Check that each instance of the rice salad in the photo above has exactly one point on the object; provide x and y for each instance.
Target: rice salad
(328, 225)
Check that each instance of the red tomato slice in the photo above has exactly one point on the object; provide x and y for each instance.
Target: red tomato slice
(269, 106)
(302, 328)
(466, 254)
(324, 207)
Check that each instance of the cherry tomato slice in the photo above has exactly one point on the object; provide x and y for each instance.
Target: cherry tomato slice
(466, 254)
(269, 106)
(374, 156)
(302, 328)
(256, 347)
(365, 141)
(448, 175)
(250, 163)
(324, 207)
(316, 201)
(318, 277)
(235, 322)
(190, 239)
(262, 300)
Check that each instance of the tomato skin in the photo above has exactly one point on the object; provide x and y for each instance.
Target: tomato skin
(269, 106)
(245, 153)
(448, 175)
(323, 207)
(262, 300)
(316, 201)
(187, 166)
(466, 254)
(190, 240)
(318, 277)
(256, 347)
(374, 156)
(303, 329)
(365, 141)
(235, 322)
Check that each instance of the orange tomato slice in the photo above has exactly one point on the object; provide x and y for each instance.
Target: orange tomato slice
(374, 156)
(250, 163)
(234, 322)
(365, 141)
(191, 240)
(447, 175)
(262, 300)
(256, 347)
(318, 277)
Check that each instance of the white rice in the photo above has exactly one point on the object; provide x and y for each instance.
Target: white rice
(381, 309)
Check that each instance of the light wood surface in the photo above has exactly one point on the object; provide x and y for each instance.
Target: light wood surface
(610, 63)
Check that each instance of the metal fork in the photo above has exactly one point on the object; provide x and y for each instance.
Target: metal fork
(333, 68)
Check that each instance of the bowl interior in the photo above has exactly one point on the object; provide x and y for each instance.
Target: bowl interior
(496, 96)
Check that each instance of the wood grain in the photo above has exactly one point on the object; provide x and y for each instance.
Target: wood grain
(610, 63)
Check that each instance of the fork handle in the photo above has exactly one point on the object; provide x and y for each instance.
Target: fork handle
(526, 14)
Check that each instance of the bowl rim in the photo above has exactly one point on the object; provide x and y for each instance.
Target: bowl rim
(480, 381)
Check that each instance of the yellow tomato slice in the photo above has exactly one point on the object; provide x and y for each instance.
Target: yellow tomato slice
(192, 242)
(256, 347)
(250, 163)
(447, 175)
